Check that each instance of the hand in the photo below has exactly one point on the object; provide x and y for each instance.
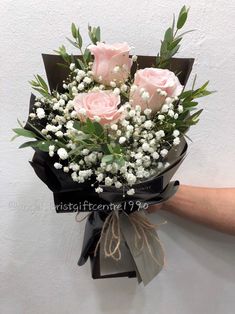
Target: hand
(214, 207)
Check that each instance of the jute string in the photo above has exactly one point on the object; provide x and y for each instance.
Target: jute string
(111, 235)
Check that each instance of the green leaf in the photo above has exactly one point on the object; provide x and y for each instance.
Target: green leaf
(194, 82)
(184, 33)
(173, 22)
(29, 144)
(25, 133)
(84, 137)
(90, 126)
(174, 43)
(173, 52)
(204, 85)
(40, 86)
(168, 35)
(81, 64)
(190, 104)
(107, 159)
(62, 65)
(182, 17)
(163, 49)
(77, 125)
(204, 93)
(186, 94)
(110, 148)
(97, 34)
(63, 53)
(193, 119)
(183, 115)
(170, 44)
(99, 131)
(87, 56)
(74, 43)
(120, 161)
(38, 132)
(42, 82)
(42, 92)
(158, 60)
(79, 40)
(117, 149)
(74, 30)
(94, 34)
(44, 146)
(105, 149)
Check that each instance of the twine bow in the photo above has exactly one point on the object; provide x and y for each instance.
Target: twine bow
(111, 235)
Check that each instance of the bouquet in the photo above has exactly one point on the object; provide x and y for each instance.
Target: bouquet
(108, 134)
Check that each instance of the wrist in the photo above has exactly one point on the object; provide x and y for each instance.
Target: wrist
(169, 204)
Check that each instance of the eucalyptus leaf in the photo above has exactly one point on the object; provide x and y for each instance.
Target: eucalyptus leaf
(107, 159)
(99, 131)
(81, 64)
(182, 17)
(87, 55)
(62, 65)
(74, 30)
(90, 128)
(168, 35)
(171, 43)
(110, 148)
(97, 33)
(42, 82)
(25, 133)
(105, 149)
(43, 146)
(120, 161)
(193, 119)
(29, 144)
(174, 43)
(79, 40)
(190, 104)
(77, 125)
(117, 149)
(74, 43)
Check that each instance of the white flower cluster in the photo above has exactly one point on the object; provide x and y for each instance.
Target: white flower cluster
(145, 149)
(141, 138)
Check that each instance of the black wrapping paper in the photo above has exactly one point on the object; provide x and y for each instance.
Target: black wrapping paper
(56, 74)
(70, 196)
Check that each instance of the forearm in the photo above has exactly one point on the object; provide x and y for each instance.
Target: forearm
(209, 206)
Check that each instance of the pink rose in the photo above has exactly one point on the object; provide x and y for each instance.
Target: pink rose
(111, 62)
(101, 104)
(153, 86)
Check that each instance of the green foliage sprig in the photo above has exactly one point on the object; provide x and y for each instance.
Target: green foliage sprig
(93, 136)
(188, 101)
(40, 141)
(171, 43)
(65, 56)
(77, 41)
(94, 34)
(40, 86)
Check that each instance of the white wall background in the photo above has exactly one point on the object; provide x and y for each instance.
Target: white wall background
(38, 248)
